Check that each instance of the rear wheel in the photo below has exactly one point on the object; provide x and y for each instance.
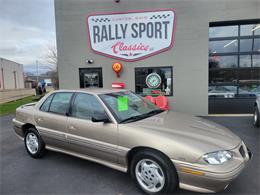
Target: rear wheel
(34, 144)
(153, 173)
(256, 117)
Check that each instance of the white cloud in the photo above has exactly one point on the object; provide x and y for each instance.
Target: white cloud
(24, 44)
(26, 39)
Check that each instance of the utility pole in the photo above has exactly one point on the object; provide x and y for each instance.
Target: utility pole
(37, 70)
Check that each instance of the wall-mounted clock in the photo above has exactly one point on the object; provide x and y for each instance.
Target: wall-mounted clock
(153, 80)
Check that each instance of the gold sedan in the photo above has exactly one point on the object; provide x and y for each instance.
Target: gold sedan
(162, 150)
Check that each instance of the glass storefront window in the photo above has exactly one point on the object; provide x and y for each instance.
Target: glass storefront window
(222, 76)
(257, 44)
(256, 89)
(222, 91)
(164, 86)
(245, 61)
(234, 69)
(249, 74)
(246, 45)
(223, 46)
(249, 29)
(256, 61)
(251, 88)
(223, 31)
(222, 61)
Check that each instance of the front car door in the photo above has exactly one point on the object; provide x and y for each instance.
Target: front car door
(97, 140)
(51, 119)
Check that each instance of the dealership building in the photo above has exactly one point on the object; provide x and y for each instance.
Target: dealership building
(11, 75)
(203, 55)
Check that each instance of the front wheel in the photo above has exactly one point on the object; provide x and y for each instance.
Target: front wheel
(256, 117)
(34, 144)
(153, 173)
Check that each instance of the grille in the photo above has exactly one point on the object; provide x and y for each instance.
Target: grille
(242, 151)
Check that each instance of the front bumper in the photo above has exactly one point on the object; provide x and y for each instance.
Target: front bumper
(212, 178)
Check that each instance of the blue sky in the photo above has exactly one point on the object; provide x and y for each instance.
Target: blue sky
(27, 29)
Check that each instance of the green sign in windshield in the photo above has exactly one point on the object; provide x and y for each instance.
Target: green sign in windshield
(122, 103)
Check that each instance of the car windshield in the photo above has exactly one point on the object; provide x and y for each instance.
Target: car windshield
(127, 106)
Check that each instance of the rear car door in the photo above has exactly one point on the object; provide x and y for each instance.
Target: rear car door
(94, 139)
(52, 119)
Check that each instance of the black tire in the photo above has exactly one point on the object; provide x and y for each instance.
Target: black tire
(41, 145)
(256, 117)
(171, 178)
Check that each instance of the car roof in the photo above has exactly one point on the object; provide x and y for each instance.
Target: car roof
(92, 90)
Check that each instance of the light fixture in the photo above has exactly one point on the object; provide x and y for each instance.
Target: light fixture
(230, 43)
(256, 27)
(90, 61)
(117, 67)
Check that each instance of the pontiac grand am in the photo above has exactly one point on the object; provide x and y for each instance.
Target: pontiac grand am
(162, 150)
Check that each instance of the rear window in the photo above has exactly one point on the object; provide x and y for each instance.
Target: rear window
(45, 106)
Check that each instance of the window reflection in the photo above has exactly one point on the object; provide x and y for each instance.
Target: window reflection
(245, 61)
(223, 31)
(222, 91)
(257, 44)
(246, 45)
(256, 61)
(222, 61)
(234, 71)
(248, 74)
(249, 88)
(249, 29)
(222, 76)
(256, 89)
(249, 79)
(223, 46)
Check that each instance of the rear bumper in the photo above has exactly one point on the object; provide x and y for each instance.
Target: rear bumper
(17, 126)
(209, 180)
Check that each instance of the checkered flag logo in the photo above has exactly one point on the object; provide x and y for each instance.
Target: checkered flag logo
(101, 20)
(160, 16)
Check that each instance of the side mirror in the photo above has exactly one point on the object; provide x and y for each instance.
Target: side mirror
(102, 118)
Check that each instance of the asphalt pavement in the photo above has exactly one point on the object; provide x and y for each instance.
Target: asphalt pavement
(62, 174)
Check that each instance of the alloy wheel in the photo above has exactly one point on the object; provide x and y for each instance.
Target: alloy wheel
(32, 143)
(255, 117)
(149, 175)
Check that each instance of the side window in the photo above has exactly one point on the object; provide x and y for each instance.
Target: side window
(46, 104)
(87, 106)
(60, 103)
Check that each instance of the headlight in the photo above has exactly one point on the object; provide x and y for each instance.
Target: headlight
(217, 158)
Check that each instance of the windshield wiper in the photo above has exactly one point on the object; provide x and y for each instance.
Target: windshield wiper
(153, 112)
(132, 118)
(139, 117)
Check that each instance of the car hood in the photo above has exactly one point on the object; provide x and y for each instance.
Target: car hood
(194, 131)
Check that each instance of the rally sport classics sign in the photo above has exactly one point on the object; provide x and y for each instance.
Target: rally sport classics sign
(131, 36)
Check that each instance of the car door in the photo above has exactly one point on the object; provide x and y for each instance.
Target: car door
(51, 119)
(94, 139)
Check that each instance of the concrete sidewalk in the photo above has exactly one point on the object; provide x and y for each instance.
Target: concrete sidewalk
(11, 95)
